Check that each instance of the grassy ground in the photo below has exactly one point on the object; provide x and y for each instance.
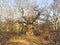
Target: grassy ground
(29, 39)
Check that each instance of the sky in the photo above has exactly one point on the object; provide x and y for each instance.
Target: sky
(43, 2)
(12, 3)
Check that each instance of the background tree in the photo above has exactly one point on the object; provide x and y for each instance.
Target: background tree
(55, 17)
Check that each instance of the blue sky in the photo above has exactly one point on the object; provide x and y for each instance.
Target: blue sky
(43, 2)
(40, 1)
(13, 4)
